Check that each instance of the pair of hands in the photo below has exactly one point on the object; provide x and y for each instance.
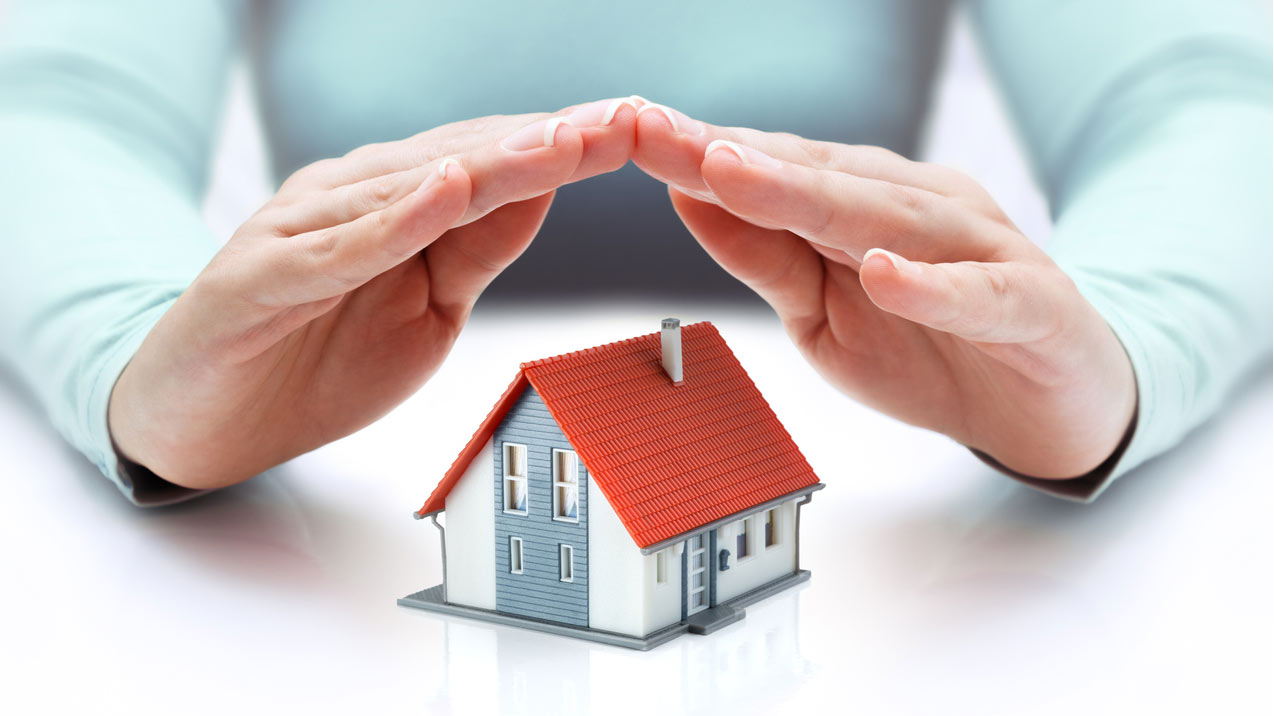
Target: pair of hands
(344, 293)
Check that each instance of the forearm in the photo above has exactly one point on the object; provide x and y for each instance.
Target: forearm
(1150, 130)
(1169, 237)
(93, 253)
(104, 149)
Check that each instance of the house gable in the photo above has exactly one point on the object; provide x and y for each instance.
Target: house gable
(539, 590)
(671, 458)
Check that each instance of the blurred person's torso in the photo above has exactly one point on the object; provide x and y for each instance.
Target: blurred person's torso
(332, 76)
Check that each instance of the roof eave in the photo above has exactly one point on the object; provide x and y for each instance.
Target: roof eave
(435, 503)
(666, 543)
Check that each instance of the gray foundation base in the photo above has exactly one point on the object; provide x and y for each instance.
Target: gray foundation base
(705, 622)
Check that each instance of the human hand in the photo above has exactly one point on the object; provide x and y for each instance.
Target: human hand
(344, 293)
(976, 333)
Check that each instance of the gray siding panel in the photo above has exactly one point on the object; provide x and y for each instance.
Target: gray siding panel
(539, 592)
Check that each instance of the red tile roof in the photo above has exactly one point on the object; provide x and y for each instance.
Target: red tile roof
(668, 458)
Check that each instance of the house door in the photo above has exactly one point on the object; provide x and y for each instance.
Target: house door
(696, 574)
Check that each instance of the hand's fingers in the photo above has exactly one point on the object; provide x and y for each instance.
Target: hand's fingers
(320, 264)
(847, 212)
(532, 161)
(543, 156)
(607, 127)
(1009, 302)
(320, 209)
(467, 259)
(671, 146)
(381, 158)
(782, 268)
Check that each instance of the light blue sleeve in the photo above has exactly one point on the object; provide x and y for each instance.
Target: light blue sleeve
(107, 114)
(1149, 125)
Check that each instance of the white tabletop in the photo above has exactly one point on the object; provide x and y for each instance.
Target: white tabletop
(939, 586)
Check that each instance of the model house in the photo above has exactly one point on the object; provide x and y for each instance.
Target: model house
(626, 493)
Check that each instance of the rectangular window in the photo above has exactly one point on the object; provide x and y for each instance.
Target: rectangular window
(661, 567)
(515, 555)
(565, 486)
(771, 528)
(742, 543)
(566, 570)
(515, 479)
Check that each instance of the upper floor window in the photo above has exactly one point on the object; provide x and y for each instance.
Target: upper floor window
(565, 486)
(743, 543)
(515, 479)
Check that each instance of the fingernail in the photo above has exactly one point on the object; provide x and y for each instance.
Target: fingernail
(539, 134)
(898, 263)
(697, 193)
(638, 99)
(448, 162)
(600, 113)
(681, 124)
(747, 155)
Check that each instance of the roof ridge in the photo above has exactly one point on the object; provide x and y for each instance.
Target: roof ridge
(701, 325)
(702, 391)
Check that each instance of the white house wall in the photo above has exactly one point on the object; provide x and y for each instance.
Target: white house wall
(764, 565)
(663, 601)
(470, 526)
(616, 571)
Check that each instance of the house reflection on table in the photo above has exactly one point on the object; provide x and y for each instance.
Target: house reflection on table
(744, 668)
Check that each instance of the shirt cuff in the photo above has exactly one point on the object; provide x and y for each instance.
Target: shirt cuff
(138, 484)
(1085, 488)
(1148, 434)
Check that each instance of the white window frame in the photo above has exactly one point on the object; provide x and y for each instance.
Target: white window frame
(661, 568)
(744, 529)
(566, 563)
(510, 478)
(515, 548)
(559, 483)
(771, 517)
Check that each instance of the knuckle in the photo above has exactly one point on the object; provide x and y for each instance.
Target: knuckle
(996, 283)
(909, 206)
(824, 220)
(1000, 303)
(324, 246)
(446, 147)
(380, 192)
(382, 221)
(327, 254)
(818, 154)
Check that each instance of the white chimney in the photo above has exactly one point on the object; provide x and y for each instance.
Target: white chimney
(670, 344)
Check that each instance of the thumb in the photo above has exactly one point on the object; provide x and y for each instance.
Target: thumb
(1002, 302)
